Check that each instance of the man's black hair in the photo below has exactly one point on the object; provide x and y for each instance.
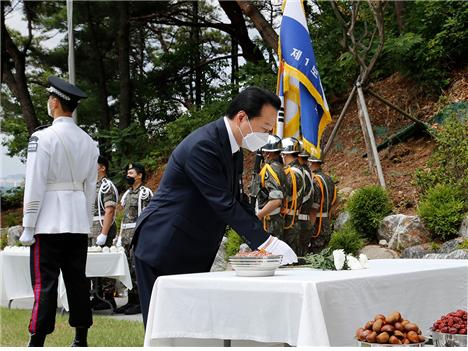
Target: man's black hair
(251, 100)
(104, 162)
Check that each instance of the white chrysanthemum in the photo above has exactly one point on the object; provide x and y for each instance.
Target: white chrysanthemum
(339, 259)
(363, 260)
(353, 262)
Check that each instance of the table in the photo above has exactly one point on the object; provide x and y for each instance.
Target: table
(15, 278)
(301, 307)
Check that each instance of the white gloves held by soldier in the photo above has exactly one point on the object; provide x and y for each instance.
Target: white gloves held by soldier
(278, 247)
(27, 238)
(117, 241)
(101, 239)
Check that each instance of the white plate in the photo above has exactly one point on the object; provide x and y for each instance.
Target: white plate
(255, 273)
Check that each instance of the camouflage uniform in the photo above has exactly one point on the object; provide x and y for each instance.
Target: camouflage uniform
(103, 286)
(127, 228)
(271, 190)
(292, 225)
(108, 198)
(321, 239)
(304, 218)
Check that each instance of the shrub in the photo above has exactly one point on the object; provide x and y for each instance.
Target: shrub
(3, 238)
(441, 210)
(12, 198)
(348, 239)
(367, 207)
(449, 161)
(463, 245)
(233, 243)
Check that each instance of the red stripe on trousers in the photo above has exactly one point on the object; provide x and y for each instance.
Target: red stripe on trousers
(37, 286)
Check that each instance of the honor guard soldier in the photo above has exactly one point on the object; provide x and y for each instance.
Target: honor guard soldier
(272, 188)
(103, 232)
(324, 200)
(295, 185)
(60, 188)
(133, 201)
(304, 215)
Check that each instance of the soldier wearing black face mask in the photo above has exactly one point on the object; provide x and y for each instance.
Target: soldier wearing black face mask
(133, 201)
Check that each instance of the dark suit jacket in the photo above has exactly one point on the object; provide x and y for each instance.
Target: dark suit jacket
(182, 227)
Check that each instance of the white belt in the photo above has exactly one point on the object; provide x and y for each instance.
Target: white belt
(128, 225)
(303, 217)
(323, 215)
(97, 218)
(71, 186)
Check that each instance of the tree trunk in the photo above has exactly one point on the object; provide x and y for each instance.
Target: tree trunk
(105, 116)
(239, 30)
(17, 81)
(234, 66)
(124, 65)
(399, 14)
(370, 155)
(195, 34)
(264, 28)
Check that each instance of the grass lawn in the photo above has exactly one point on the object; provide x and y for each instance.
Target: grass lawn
(104, 332)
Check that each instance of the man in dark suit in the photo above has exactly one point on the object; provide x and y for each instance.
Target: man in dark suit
(201, 192)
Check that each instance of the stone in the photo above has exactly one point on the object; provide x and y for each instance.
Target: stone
(341, 220)
(463, 231)
(454, 255)
(417, 251)
(14, 234)
(220, 261)
(402, 231)
(383, 242)
(344, 193)
(451, 245)
(375, 252)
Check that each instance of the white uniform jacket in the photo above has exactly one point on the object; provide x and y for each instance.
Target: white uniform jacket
(60, 185)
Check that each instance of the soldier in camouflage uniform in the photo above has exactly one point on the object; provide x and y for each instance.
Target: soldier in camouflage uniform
(308, 199)
(295, 194)
(135, 199)
(104, 225)
(324, 200)
(272, 188)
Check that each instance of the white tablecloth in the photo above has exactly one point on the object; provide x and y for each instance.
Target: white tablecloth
(16, 279)
(301, 307)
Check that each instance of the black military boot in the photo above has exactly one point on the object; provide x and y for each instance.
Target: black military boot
(81, 338)
(36, 340)
(131, 301)
(134, 309)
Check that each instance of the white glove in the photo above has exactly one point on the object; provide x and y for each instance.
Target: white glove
(101, 239)
(118, 241)
(27, 238)
(278, 247)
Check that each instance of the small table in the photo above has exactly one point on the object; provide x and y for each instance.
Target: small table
(301, 307)
(16, 278)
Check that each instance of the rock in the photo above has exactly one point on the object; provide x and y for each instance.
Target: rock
(344, 193)
(341, 220)
(417, 251)
(14, 234)
(375, 251)
(454, 255)
(220, 262)
(403, 231)
(464, 227)
(451, 245)
(383, 242)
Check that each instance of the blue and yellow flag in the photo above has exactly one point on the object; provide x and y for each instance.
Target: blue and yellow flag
(306, 111)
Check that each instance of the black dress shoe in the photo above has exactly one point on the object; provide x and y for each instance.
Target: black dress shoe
(134, 309)
(122, 309)
(36, 340)
(105, 305)
(81, 338)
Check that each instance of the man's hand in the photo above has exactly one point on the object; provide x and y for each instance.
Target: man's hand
(27, 238)
(101, 239)
(278, 247)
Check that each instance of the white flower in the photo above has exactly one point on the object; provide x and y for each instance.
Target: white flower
(339, 258)
(353, 262)
(363, 261)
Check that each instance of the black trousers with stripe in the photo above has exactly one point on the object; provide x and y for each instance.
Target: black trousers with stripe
(50, 254)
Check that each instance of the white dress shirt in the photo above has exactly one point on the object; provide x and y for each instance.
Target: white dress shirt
(60, 185)
(234, 146)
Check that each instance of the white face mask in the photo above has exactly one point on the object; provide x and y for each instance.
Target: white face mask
(49, 110)
(254, 140)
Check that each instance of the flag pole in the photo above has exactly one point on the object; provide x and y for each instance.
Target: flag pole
(71, 49)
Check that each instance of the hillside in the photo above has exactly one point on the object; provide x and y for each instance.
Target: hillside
(345, 161)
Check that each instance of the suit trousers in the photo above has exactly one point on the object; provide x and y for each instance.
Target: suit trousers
(146, 276)
(50, 254)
